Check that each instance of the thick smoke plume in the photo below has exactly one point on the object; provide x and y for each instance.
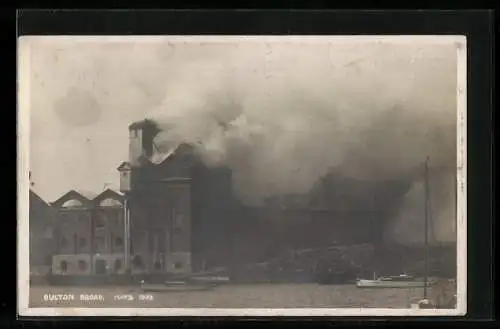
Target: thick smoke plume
(282, 116)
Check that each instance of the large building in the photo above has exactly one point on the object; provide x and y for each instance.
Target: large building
(184, 217)
(90, 238)
(177, 207)
(174, 214)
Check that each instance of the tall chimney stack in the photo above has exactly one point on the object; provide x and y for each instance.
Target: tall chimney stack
(141, 135)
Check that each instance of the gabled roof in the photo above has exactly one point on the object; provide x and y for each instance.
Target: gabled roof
(88, 194)
(88, 198)
(84, 196)
(109, 194)
(34, 197)
(41, 213)
(124, 166)
(160, 157)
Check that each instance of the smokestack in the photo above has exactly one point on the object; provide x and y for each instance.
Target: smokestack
(142, 134)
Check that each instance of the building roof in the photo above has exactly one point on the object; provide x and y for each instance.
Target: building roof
(39, 208)
(36, 198)
(124, 166)
(89, 195)
(109, 191)
(159, 157)
(143, 123)
(74, 198)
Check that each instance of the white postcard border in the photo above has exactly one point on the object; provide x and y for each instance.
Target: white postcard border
(23, 133)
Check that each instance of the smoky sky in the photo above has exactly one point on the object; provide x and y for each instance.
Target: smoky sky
(281, 114)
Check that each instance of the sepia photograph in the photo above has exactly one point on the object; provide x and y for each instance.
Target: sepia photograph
(242, 175)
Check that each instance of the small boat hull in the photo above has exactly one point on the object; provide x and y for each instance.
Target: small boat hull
(390, 284)
(211, 280)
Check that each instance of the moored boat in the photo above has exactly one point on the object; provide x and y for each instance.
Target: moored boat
(400, 281)
(211, 279)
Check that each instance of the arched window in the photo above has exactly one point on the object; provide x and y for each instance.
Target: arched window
(73, 203)
(109, 202)
(64, 266)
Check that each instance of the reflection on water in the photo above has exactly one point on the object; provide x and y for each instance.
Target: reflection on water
(238, 296)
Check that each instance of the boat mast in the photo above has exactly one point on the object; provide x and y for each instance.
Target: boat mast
(426, 215)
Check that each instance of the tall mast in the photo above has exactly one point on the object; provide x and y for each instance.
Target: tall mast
(426, 219)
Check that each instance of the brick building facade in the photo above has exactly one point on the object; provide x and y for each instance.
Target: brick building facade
(89, 234)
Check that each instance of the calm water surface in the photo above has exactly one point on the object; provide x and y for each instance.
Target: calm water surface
(236, 296)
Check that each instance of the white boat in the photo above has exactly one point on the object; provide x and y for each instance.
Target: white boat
(400, 281)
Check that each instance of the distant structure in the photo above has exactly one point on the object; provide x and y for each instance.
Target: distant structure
(42, 220)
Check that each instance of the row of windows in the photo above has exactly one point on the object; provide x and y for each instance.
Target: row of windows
(73, 203)
(83, 265)
(98, 221)
(82, 242)
(137, 263)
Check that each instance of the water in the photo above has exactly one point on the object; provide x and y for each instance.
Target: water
(236, 296)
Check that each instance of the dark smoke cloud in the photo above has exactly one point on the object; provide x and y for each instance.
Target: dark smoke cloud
(283, 116)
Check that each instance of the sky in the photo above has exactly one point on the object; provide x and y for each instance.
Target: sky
(85, 92)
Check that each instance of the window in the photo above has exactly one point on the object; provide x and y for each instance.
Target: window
(72, 204)
(119, 242)
(64, 266)
(82, 265)
(99, 222)
(65, 218)
(177, 265)
(75, 243)
(110, 203)
(118, 265)
(64, 242)
(99, 244)
(82, 242)
(158, 265)
(119, 218)
(137, 262)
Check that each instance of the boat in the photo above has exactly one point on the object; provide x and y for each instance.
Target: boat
(404, 280)
(399, 281)
(210, 279)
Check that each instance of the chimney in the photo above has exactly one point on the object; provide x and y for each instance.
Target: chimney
(141, 135)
